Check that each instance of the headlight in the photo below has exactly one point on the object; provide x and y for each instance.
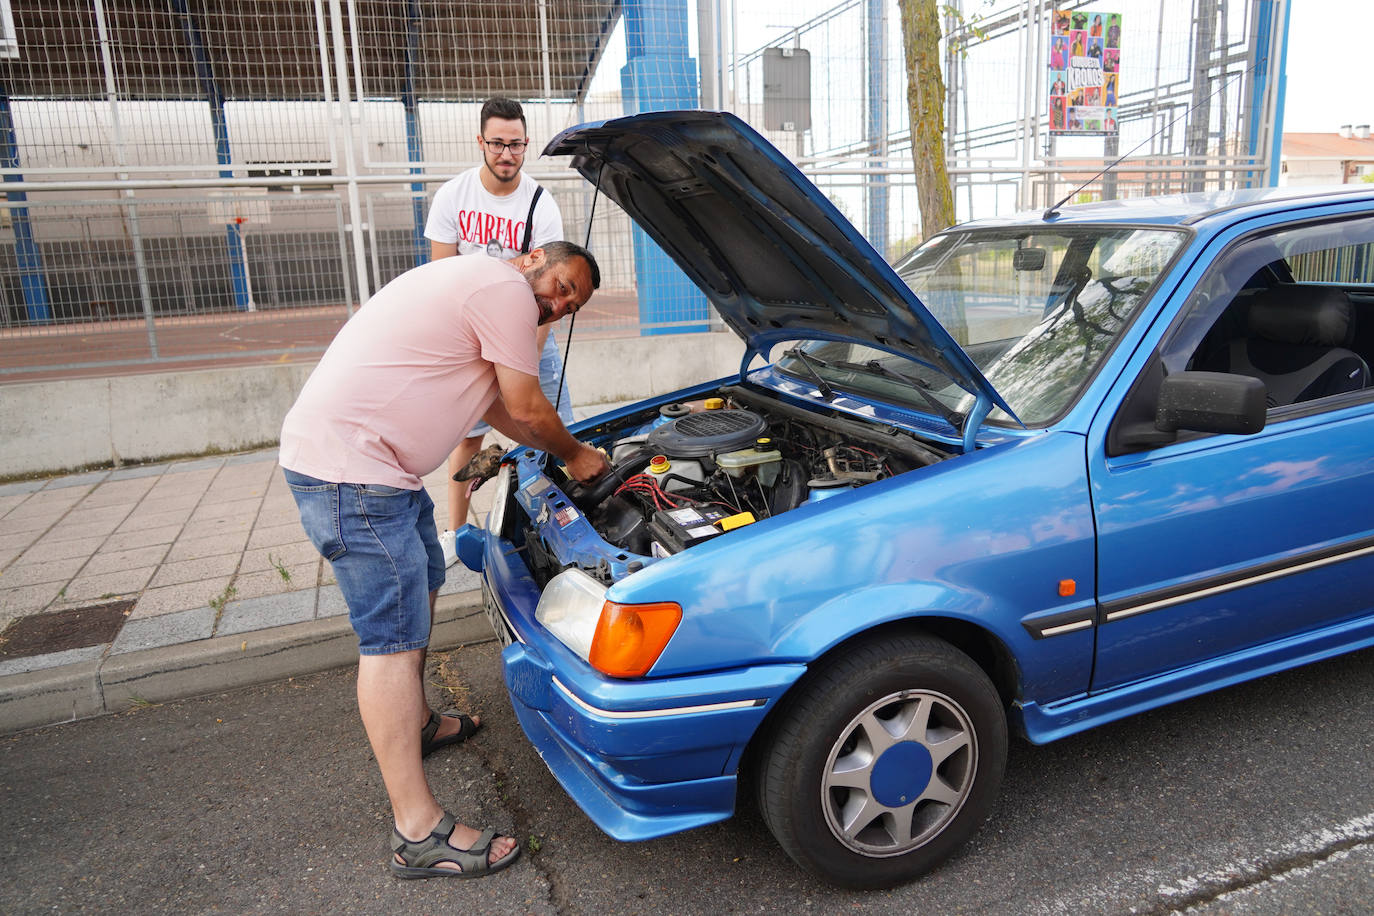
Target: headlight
(570, 608)
(500, 498)
(621, 640)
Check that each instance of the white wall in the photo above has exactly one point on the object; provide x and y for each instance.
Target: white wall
(48, 427)
(1311, 172)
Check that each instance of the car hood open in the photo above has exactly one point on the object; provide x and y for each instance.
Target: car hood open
(772, 254)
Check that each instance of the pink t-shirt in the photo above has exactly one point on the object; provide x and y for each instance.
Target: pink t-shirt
(411, 373)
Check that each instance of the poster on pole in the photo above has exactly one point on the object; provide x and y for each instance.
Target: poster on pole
(1085, 65)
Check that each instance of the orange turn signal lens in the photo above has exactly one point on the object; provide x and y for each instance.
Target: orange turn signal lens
(629, 638)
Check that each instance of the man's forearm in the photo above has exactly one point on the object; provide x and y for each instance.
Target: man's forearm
(553, 436)
(542, 429)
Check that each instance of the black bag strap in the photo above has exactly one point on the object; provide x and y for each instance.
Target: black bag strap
(529, 220)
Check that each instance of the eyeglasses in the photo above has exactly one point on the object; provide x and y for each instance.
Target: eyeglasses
(499, 146)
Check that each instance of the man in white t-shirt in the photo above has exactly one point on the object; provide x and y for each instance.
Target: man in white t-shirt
(496, 210)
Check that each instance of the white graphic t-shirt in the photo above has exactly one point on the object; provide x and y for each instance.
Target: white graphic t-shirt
(480, 222)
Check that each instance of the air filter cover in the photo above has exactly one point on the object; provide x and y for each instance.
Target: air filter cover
(700, 434)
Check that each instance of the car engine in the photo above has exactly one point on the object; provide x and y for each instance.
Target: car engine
(688, 472)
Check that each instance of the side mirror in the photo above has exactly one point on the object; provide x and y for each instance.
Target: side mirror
(1211, 402)
(1206, 402)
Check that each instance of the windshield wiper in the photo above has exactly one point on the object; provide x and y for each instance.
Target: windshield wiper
(952, 417)
(810, 363)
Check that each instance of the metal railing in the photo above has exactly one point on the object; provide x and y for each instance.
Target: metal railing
(190, 183)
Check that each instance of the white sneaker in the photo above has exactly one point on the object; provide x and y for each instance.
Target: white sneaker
(448, 541)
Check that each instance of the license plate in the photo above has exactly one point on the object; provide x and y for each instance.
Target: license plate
(498, 623)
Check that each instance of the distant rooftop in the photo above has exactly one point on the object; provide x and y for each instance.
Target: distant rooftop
(1327, 146)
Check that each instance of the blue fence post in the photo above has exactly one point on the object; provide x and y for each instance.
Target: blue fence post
(1264, 72)
(32, 280)
(233, 240)
(659, 76)
(414, 142)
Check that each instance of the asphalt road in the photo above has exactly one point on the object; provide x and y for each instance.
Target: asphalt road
(1257, 799)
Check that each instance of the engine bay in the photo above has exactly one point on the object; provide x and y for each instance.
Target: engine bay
(688, 472)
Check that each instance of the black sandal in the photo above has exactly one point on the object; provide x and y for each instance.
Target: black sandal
(423, 857)
(428, 745)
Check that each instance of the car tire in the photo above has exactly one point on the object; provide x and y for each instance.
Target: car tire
(884, 763)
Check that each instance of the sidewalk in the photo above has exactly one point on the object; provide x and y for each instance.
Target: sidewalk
(157, 582)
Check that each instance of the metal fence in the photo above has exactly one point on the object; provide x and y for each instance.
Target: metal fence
(1198, 88)
(195, 181)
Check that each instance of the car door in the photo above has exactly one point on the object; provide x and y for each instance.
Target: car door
(1214, 546)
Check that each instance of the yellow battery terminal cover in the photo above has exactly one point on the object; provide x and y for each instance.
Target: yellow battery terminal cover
(731, 522)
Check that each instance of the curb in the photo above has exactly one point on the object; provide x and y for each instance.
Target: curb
(114, 683)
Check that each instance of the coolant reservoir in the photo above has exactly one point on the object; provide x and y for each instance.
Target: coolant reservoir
(675, 475)
(625, 446)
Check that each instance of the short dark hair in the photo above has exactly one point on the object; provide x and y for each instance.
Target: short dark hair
(558, 252)
(506, 109)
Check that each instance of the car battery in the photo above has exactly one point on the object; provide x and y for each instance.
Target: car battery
(677, 529)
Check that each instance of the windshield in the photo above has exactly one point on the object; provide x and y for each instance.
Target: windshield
(1037, 308)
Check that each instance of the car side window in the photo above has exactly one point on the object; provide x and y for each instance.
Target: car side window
(1292, 307)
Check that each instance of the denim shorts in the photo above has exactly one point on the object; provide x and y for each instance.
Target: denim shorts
(385, 552)
(550, 371)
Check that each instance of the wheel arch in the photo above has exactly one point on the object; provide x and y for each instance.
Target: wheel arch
(983, 646)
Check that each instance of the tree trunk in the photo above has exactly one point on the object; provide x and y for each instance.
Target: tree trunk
(925, 98)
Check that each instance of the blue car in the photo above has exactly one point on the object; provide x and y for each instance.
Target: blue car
(1040, 474)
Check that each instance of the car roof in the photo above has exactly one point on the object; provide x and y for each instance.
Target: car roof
(1182, 209)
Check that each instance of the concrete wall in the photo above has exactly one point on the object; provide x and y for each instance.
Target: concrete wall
(1312, 172)
(47, 427)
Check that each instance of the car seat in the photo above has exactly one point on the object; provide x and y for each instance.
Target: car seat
(1296, 343)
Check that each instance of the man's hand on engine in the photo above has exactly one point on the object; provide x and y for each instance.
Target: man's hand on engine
(588, 464)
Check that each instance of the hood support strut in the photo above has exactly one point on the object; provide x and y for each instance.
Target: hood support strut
(587, 244)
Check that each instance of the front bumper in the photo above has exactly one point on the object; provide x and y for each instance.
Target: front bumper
(642, 758)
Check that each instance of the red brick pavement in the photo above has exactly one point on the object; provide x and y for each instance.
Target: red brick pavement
(121, 347)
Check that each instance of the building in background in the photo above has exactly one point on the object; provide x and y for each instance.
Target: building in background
(1337, 158)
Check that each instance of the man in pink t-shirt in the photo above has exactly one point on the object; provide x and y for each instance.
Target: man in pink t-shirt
(434, 351)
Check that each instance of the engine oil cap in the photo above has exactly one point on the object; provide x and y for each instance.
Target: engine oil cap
(714, 403)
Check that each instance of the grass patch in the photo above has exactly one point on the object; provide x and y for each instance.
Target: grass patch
(219, 601)
(280, 568)
(444, 676)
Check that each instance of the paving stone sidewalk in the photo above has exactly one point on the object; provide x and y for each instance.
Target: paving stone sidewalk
(179, 554)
